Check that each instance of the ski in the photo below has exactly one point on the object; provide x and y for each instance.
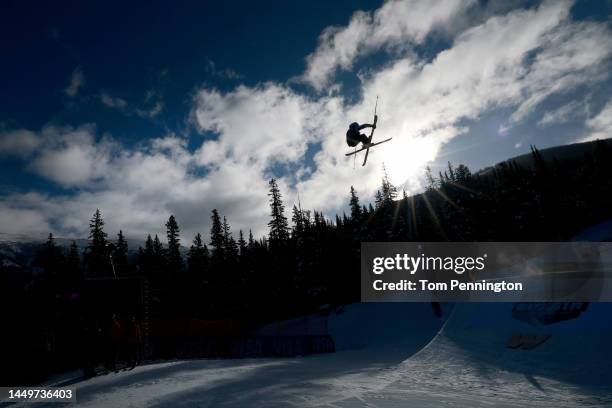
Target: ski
(365, 159)
(364, 148)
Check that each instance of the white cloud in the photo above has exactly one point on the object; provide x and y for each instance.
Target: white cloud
(136, 189)
(22, 221)
(262, 125)
(19, 143)
(70, 156)
(77, 80)
(396, 24)
(113, 102)
(562, 114)
(152, 112)
(226, 73)
(571, 54)
(600, 126)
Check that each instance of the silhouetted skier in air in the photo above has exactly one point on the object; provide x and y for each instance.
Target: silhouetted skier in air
(353, 137)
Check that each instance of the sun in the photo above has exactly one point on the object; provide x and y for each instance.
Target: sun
(405, 159)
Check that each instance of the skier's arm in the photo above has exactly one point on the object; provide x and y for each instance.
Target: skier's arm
(366, 125)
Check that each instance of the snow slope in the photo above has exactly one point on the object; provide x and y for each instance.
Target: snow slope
(370, 338)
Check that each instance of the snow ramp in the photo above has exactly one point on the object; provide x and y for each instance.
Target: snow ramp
(512, 354)
(392, 328)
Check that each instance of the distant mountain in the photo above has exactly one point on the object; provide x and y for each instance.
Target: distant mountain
(19, 251)
(561, 153)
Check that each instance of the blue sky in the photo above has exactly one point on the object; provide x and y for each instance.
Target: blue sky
(151, 109)
(129, 50)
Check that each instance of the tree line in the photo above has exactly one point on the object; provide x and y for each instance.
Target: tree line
(310, 260)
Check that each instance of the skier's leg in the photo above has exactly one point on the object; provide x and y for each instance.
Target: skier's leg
(364, 139)
(352, 142)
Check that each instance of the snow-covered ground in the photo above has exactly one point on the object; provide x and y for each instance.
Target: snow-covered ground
(390, 356)
(396, 355)
(372, 339)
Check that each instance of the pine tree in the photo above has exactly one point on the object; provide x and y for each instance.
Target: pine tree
(242, 245)
(462, 174)
(159, 254)
(140, 261)
(145, 257)
(227, 233)
(451, 172)
(96, 231)
(540, 166)
(251, 243)
(73, 259)
(158, 258)
(73, 264)
(378, 199)
(429, 178)
(149, 245)
(50, 256)
(120, 256)
(197, 243)
(216, 236)
(231, 248)
(389, 191)
(173, 254)
(319, 221)
(306, 219)
(198, 256)
(298, 223)
(279, 230)
(97, 257)
(355, 207)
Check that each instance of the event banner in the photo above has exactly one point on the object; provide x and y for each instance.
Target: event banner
(486, 271)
